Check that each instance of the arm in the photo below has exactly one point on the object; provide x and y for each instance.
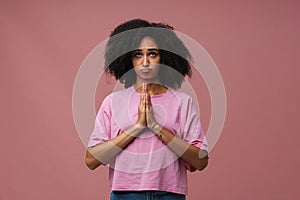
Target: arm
(183, 149)
(101, 154)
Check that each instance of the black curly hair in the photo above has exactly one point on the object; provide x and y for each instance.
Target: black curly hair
(125, 39)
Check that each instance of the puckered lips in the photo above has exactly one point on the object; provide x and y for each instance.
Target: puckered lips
(143, 70)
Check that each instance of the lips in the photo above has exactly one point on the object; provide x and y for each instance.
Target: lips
(145, 70)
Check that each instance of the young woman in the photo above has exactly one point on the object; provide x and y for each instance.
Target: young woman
(149, 133)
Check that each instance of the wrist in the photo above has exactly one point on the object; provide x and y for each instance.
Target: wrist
(135, 130)
(138, 127)
(152, 125)
(155, 128)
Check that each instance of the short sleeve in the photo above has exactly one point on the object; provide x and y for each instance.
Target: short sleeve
(102, 127)
(191, 128)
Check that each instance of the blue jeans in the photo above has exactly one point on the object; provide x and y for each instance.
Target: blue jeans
(145, 195)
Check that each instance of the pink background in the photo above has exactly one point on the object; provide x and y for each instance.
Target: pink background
(255, 44)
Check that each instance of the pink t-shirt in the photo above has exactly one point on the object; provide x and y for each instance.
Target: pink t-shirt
(147, 163)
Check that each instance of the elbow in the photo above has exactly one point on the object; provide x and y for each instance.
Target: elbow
(91, 162)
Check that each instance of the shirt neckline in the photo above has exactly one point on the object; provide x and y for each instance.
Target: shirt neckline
(154, 96)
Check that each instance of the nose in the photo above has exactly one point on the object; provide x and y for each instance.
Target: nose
(145, 61)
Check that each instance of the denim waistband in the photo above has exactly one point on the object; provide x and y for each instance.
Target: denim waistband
(145, 195)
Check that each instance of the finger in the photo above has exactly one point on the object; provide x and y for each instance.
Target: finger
(148, 102)
(147, 94)
(148, 98)
(145, 100)
(142, 105)
(144, 87)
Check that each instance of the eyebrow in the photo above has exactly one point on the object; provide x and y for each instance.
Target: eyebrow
(151, 49)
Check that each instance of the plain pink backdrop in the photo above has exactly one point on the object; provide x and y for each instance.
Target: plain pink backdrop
(255, 44)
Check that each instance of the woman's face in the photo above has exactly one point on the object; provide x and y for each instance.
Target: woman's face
(146, 60)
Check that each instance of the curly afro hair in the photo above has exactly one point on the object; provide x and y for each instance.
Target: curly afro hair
(126, 37)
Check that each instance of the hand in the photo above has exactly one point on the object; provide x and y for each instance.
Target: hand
(149, 109)
(141, 121)
(145, 110)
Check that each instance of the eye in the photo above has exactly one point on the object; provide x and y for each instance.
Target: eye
(153, 54)
(137, 54)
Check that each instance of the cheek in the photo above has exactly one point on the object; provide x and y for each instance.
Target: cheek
(157, 68)
(134, 63)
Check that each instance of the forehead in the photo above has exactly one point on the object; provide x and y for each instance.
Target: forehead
(147, 43)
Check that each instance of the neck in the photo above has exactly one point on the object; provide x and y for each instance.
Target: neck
(153, 88)
(139, 82)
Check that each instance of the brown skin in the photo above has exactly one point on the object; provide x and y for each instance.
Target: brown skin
(146, 118)
(145, 62)
(114, 146)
